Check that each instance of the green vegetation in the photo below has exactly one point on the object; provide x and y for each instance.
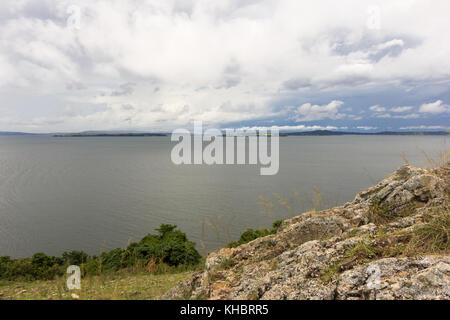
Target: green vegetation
(254, 295)
(169, 251)
(362, 252)
(250, 234)
(328, 273)
(227, 263)
(432, 237)
(379, 213)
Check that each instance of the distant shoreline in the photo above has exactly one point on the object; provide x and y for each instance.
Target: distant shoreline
(110, 135)
(382, 133)
(282, 134)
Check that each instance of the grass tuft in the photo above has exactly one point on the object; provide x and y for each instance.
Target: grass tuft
(432, 237)
(227, 263)
(379, 213)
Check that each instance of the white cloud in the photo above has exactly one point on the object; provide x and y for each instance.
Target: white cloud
(226, 60)
(423, 127)
(434, 107)
(401, 109)
(390, 44)
(407, 116)
(308, 112)
(291, 128)
(390, 116)
(384, 113)
(366, 128)
(377, 108)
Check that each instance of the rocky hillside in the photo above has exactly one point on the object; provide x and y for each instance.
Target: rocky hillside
(390, 242)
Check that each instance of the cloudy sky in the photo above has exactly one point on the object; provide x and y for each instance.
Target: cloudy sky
(162, 64)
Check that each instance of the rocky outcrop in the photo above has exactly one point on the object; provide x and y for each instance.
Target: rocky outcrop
(390, 242)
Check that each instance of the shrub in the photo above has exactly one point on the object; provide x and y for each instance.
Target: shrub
(92, 267)
(113, 260)
(250, 234)
(46, 267)
(17, 269)
(227, 263)
(75, 257)
(171, 247)
(170, 250)
(39, 266)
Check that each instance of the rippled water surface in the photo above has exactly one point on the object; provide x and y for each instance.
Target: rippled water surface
(98, 193)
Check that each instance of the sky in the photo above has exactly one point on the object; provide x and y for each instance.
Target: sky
(159, 65)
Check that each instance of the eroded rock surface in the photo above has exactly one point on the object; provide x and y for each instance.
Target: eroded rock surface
(375, 247)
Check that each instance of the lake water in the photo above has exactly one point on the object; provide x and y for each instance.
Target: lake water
(99, 193)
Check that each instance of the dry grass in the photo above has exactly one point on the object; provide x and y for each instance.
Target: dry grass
(295, 204)
(432, 237)
(439, 160)
(222, 231)
(118, 286)
(379, 213)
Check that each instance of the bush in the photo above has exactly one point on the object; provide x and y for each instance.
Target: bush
(39, 266)
(250, 234)
(75, 257)
(169, 249)
(113, 260)
(17, 269)
(92, 267)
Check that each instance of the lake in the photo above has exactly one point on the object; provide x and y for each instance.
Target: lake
(99, 193)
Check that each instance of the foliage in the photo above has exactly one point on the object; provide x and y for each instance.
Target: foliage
(227, 263)
(250, 234)
(432, 237)
(169, 250)
(379, 213)
(75, 257)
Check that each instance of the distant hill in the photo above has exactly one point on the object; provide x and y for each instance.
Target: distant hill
(86, 134)
(152, 134)
(6, 133)
(382, 133)
(98, 134)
